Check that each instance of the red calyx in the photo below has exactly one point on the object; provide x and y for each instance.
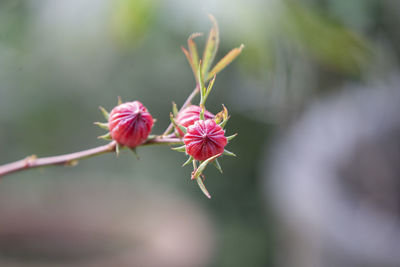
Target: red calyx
(130, 124)
(190, 115)
(204, 139)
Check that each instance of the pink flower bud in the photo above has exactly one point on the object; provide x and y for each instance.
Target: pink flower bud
(204, 139)
(189, 115)
(130, 123)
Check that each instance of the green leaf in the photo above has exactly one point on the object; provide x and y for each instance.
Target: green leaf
(209, 88)
(104, 112)
(102, 125)
(200, 83)
(211, 47)
(193, 48)
(189, 59)
(225, 61)
(203, 187)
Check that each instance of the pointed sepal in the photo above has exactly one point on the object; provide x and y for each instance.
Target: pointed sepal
(203, 187)
(189, 160)
(216, 164)
(102, 125)
(104, 112)
(179, 149)
(182, 128)
(134, 151)
(203, 165)
(228, 153)
(174, 109)
(107, 137)
(225, 61)
(229, 138)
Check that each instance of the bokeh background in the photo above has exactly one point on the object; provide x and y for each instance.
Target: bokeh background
(60, 60)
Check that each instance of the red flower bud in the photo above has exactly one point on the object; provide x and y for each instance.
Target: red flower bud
(204, 139)
(189, 115)
(130, 123)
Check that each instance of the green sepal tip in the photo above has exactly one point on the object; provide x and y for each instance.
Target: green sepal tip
(179, 148)
(174, 109)
(104, 112)
(228, 153)
(107, 136)
(102, 125)
(229, 138)
(216, 164)
(203, 165)
(183, 129)
(203, 187)
(134, 151)
(189, 160)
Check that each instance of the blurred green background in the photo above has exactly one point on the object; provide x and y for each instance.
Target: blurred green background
(60, 60)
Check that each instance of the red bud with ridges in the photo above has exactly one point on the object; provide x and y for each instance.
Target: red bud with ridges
(204, 139)
(130, 124)
(190, 115)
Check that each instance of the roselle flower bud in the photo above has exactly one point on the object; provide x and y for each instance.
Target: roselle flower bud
(204, 139)
(189, 115)
(130, 123)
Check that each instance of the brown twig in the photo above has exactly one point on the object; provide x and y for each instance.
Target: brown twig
(73, 158)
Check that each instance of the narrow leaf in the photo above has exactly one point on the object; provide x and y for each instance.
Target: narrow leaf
(209, 88)
(211, 47)
(189, 59)
(189, 160)
(102, 125)
(193, 48)
(119, 100)
(225, 61)
(200, 83)
(216, 164)
(104, 112)
(203, 187)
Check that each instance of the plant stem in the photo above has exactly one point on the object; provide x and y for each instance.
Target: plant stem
(72, 158)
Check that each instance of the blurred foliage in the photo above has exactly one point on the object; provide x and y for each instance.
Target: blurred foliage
(131, 20)
(73, 61)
